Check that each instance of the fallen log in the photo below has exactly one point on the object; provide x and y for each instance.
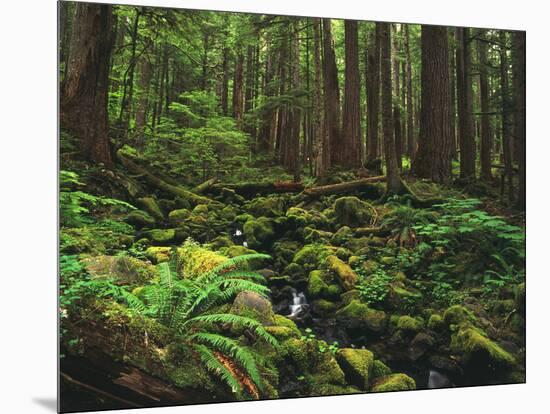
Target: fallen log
(252, 189)
(161, 184)
(201, 188)
(374, 231)
(346, 187)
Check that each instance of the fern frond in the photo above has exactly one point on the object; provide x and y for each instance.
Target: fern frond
(166, 275)
(233, 349)
(231, 263)
(214, 366)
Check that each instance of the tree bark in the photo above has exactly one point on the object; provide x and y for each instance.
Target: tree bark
(518, 56)
(373, 95)
(393, 181)
(332, 94)
(433, 157)
(465, 110)
(238, 98)
(486, 138)
(411, 146)
(506, 106)
(351, 131)
(320, 138)
(83, 106)
(396, 93)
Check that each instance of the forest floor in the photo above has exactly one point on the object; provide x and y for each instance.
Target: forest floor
(362, 295)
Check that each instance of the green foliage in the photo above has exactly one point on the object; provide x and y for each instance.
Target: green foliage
(188, 307)
(402, 219)
(374, 289)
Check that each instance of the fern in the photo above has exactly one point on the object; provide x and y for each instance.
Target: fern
(186, 305)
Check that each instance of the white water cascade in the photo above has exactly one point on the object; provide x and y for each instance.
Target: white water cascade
(298, 302)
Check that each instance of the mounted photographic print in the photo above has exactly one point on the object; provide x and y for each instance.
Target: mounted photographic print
(259, 207)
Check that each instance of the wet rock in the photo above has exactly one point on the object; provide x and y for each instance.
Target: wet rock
(259, 232)
(123, 270)
(179, 216)
(345, 274)
(359, 316)
(357, 365)
(255, 306)
(393, 382)
(150, 205)
(352, 212)
(140, 219)
(421, 344)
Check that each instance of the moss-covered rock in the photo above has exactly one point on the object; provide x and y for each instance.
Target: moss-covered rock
(271, 206)
(311, 256)
(347, 277)
(283, 328)
(342, 236)
(393, 382)
(435, 322)
(318, 283)
(178, 216)
(221, 242)
(458, 314)
(158, 254)
(474, 346)
(409, 324)
(150, 205)
(352, 212)
(194, 260)
(299, 217)
(323, 307)
(400, 297)
(357, 365)
(123, 270)
(252, 305)
(312, 235)
(140, 219)
(379, 369)
(236, 250)
(200, 209)
(228, 213)
(161, 236)
(359, 245)
(357, 314)
(347, 297)
(259, 232)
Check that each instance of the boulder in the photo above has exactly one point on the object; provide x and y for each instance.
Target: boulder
(353, 212)
(357, 365)
(393, 382)
(358, 315)
(150, 205)
(123, 270)
(255, 306)
(346, 276)
(259, 232)
(140, 219)
(158, 254)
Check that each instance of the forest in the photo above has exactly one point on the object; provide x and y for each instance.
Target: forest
(259, 207)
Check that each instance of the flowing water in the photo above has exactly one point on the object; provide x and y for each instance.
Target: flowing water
(298, 302)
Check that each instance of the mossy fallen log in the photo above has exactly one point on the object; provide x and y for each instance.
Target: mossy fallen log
(201, 188)
(363, 184)
(161, 184)
(253, 189)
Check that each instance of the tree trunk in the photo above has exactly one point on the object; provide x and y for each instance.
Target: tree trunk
(83, 103)
(411, 146)
(506, 106)
(238, 98)
(396, 93)
(433, 157)
(351, 134)
(518, 56)
(141, 111)
(364, 184)
(486, 139)
(373, 95)
(452, 120)
(319, 132)
(332, 94)
(225, 81)
(465, 110)
(296, 110)
(393, 181)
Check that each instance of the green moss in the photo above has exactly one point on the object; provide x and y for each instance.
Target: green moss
(236, 250)
(410, 324)
(272, 206)
(342, 236)
(282, 332)
(387, 260)
(470, 342)
(259, 232)
(317, 283)
(379, 369)
(347, 277)
(357, 364)
(123, 270)
(254, 306)
(158, 254)
(312, 235)
(140, 219)
(228, 213)
(457, 314)
(194, 260)
(374, 320)
(220, 242)
(281, 320)
(323, 307)
(298, 352)
(311, 256)
(299, 217)
(243, 218)
(435, 322)
(400, 297)
(178, 216)
(161, 236)
(150, 205)
(393, 382)
(200, 209)
(350, 295)
(350, 211)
